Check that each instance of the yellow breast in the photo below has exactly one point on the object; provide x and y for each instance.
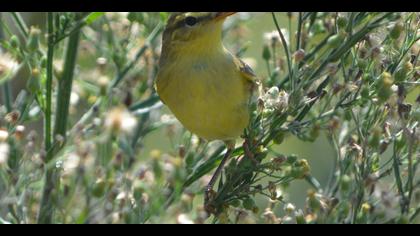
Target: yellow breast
(209, 96)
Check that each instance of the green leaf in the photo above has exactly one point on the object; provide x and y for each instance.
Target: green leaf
(149, 102)
(93, 17)
(213, 161)
(4, 222)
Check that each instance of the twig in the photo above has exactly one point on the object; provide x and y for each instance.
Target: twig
(286, 49)
(46, 209)
(23, 29)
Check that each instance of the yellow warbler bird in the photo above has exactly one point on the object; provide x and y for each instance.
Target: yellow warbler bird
(206, 87)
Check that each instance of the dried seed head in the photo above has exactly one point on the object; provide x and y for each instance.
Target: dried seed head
(270, 217)
(12, 117)
(272, 188)
(376, 51)
(277, 162)
(182, 151)
(299, 55)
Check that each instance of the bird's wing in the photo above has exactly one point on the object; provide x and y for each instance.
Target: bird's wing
(245, 70)
(251, 77)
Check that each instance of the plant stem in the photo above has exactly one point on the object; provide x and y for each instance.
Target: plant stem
(299, 33)
(7, 96)
(50, 59)
(140, 53)
(45, 212)
(23, 29)
(65, 87)
(286, 49)
(398, 178)
(6, 87)
(61, 117)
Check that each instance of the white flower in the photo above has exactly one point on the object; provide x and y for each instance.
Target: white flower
(184, 219)
(3, 135)
(120, 120)
(71, 163)
(275, 99)
(74, 99)
(289, 208)
(273, 37)
(4, 153)
(8, 67)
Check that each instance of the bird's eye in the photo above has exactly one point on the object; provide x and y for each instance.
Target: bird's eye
(190, 21)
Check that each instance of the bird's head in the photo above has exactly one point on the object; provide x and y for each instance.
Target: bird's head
(193, 30)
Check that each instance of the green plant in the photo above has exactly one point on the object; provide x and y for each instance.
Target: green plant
(86, 139)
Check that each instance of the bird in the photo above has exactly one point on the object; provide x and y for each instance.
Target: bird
(206, 87)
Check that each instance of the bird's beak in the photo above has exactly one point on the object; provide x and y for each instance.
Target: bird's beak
(223, 15)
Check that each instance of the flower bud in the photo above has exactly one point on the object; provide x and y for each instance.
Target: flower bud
(375, 137)
(336, 40)
(345, 183)
(43, 63)
(279, 138)
(384, 85)
(402, 72)
(289, 208)
(33, 39)
(299, 55)
(34, 84)
(248, 203)
(19, 132)
(400, 142)
(99, 187)
(300, 169)
(366, 208)
(416, 115)
(266, 53)
(14, 42)
(235, 203)
(62, 20)
(362, 64)
(318, 27)
(278, 162)
(300, 218)
(291, 159)
(342, 22)
(396, 31)
(312, 201)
